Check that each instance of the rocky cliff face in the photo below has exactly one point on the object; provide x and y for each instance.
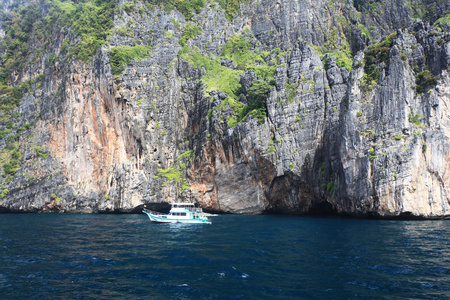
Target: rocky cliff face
(288, 107)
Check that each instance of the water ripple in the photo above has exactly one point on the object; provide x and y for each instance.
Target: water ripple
(238, 257)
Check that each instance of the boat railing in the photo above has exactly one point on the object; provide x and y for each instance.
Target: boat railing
(193, 209)
(153, 212)
(197, 210)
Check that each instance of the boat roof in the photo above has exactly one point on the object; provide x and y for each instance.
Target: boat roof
(179, 203)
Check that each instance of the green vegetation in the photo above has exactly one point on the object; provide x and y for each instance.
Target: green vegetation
(141, 101)
(368, 133)
(188, 154)
(11, 96)
(238, 49)
(364, 31)
(218, 77)
(416, 119)
(176, 24)
(372, 154)
(90, 20)
(231, 7)
(232, 122)
(39, 152)
(425, 79)
(4, 193)
(184, 186)
(9, 169)
(291, 91)
(189, 7)
(128, 7)
(367, 6)
(257, 105)
(121, 56)
(10, 155)
(175, 174)
(29, 25)
(374, 55)
(29, 28)
(443, 21)
(330, 187)
(322, 169)
(10, 160)
(397, 137)
(343, 56)
(418, 9)
(312, 86)
(122, 31)
(4, 133)
(172, 173)
(337, 45)
(427, 10)
(141, 11)
(53, 57)
(18, 30)
(190, 32)
(299, 120)
(168, 34)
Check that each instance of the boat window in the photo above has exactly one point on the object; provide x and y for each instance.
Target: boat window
(183, 214)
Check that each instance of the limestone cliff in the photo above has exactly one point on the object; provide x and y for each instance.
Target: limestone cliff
(266, 106)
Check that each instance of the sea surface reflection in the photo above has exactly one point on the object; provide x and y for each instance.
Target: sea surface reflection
(237, 257)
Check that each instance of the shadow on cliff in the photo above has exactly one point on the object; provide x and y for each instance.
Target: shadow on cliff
(291, 194)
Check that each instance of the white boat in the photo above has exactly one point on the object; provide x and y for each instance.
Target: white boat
(179, 213)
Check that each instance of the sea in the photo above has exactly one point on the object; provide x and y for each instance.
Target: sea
(91, 256)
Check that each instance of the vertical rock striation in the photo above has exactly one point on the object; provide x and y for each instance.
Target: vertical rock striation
(292, 107)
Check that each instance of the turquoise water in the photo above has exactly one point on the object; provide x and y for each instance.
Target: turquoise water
(74, 256)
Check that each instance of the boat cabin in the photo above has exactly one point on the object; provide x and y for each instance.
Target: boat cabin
(184, 207)
(179, 213)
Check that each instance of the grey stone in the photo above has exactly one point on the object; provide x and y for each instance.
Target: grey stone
(154, 135)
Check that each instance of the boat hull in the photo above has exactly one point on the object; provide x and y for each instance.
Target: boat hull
(165, 219)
